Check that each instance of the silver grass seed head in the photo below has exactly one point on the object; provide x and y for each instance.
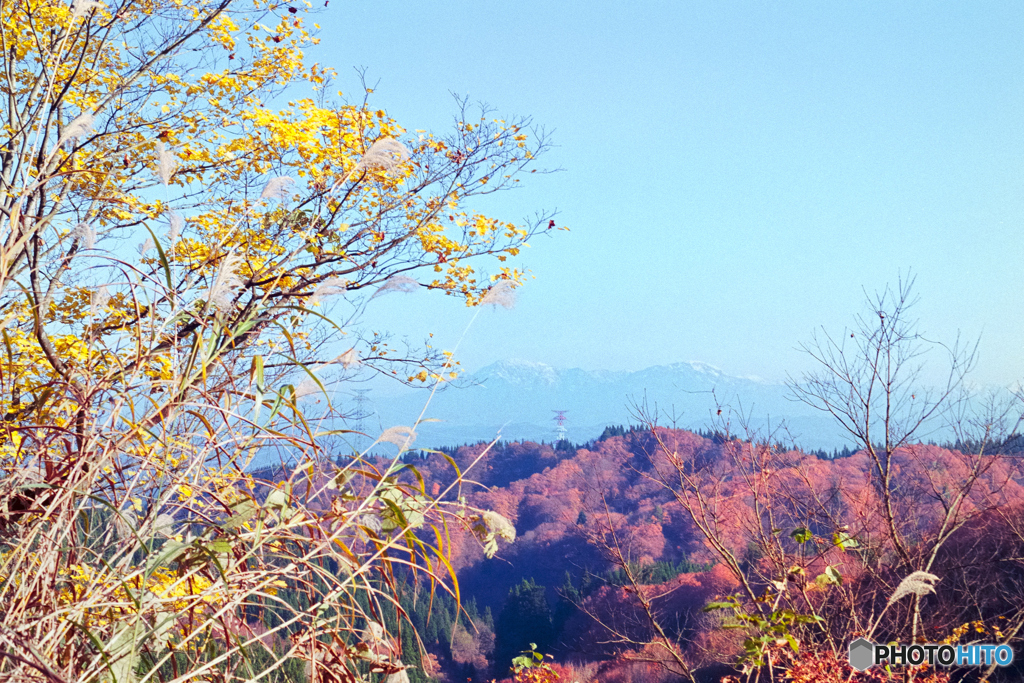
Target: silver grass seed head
(502, 293)
(166, 163)
(98, 299)
(278, 188)
(371, 522)
(397, 283)
(385, 154)
(374, 634)
(226, 281)
(401, 436)
(78, 128)
(348, 359)
(86, 234)
(400, 676)
(125, 523)
(306, 387)
(163, 525)
(499, 526)
(918, 583)
(82, 7)
(175, 224)
(332, 286)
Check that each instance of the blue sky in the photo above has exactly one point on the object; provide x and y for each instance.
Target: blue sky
(735, 174)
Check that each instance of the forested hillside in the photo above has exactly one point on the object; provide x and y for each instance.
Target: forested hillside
(614, 563)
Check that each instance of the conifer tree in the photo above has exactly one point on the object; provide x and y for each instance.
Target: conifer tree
(525, 618)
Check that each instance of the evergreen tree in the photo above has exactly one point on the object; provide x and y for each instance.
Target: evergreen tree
(524, 619)
(488, 619)
(411, 656)
(569, 598)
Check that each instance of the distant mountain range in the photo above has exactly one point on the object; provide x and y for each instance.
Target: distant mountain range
(518, 398)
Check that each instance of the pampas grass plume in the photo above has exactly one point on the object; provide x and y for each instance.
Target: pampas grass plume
(502, 293)
(225, 283)
(400, 436)
(166, 163)
(348, 359)
(86, 234)
(277, 188)
(371, 522)
(917, 583)
(374, 633)
(306, 387)
(176, 222)
(400, 676)
(499, 525)
(98, 299)
(81, 7)
(163, 525)
(77, 128)
(397, 283)
(332, 286)
(385, 154)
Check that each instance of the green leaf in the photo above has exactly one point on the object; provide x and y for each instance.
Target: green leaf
(808, 619)
(712, 606)
(521, 662)
(162, 257)
(802, 535)
(844, 541)
(122, 652)
(244, 511)
(219, 546)
(276, 499)
(833, 574)
(169, 552)
(392, 518)
(340, 479)
(256, 373)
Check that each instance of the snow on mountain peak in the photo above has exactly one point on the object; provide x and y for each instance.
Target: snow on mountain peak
(517, 371)
(705, 368)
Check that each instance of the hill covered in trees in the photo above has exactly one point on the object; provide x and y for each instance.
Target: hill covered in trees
(622, 542)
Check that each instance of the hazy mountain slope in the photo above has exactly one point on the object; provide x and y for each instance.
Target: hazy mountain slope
(519, 399)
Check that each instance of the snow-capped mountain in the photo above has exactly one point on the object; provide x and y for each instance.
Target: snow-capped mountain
(518, 398)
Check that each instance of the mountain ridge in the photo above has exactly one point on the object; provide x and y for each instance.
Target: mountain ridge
(518, 399)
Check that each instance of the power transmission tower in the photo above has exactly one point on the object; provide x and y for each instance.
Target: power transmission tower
(359, 417)
(560, 429)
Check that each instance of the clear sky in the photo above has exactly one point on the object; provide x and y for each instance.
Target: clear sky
(734, 173)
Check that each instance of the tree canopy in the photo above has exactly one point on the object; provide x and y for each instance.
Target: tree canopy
(190, 219)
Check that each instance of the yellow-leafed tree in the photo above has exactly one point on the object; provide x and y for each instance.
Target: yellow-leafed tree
(182, 205)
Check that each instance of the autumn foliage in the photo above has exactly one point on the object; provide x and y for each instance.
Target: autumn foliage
(191, 223)
(805, 534)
